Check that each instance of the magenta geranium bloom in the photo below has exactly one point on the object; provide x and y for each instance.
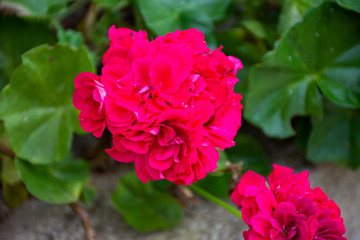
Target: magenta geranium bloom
(169, 103)
(285, 207)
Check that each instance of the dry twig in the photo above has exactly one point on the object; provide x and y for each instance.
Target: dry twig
(89, 232)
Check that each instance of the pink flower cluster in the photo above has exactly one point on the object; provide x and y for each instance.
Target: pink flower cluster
(286, 207)
(169, 103)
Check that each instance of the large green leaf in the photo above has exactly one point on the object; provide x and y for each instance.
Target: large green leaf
(320, 52)
(35, 8)
(341, 81)
(164, 16)
(70, 170)
(37, 104)
(336, 137)
(350, 4)
(293, 12)
(43, 182)
(145, 207)
(17, 36)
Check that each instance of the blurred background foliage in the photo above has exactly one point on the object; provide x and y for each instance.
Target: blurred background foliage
(300, 82)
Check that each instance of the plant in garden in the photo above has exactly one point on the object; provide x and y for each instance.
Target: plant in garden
(172, 106)
(312, 73)
(168, 103)
(285, 207)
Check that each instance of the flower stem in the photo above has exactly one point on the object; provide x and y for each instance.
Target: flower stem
(216, 200)
(89, 232)
(7, 151)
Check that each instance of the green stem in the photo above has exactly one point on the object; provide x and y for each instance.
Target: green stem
(57, 25)
(56, 20)
(216, 200)
(70, 10)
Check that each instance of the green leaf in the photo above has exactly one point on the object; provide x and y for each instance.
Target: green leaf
(303, 128)
(70, 37)
(201, 21)
(251, 153)
(37, 104)
(163, 185)
(217, 185)
(255, 27)
(70, 170)
(236, 43)
(41, 181)
(340, 82)
(293, 12)
(14, 195)
(336, 137)
(143, 206)
(286, 84)
(73, 38)
(350, 4)
(35, 8)
(215, 9)
(170, 15)
(88, 195)
(13, 33)
(221, 163)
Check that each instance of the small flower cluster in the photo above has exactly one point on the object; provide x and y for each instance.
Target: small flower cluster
(169, 103)
(286, 207)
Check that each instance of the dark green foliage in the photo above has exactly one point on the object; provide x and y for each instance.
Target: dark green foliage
(145, 207)
(251, 153)
(307, 58)
(336, 137)
(56, 182)
(37, 104)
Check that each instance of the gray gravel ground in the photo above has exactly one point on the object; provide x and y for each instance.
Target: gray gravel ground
(36, 220)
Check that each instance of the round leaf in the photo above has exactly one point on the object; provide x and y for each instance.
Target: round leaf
(37, 104)
(41, 181)
(350, 4)
(145, 207)
(164, 16)
(336, 137)
(286, 84)
(70, 170)
(294, 11)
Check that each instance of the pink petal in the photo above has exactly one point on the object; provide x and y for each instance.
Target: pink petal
(126, 157)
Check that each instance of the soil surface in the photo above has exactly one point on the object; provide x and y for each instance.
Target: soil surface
(37, 220)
